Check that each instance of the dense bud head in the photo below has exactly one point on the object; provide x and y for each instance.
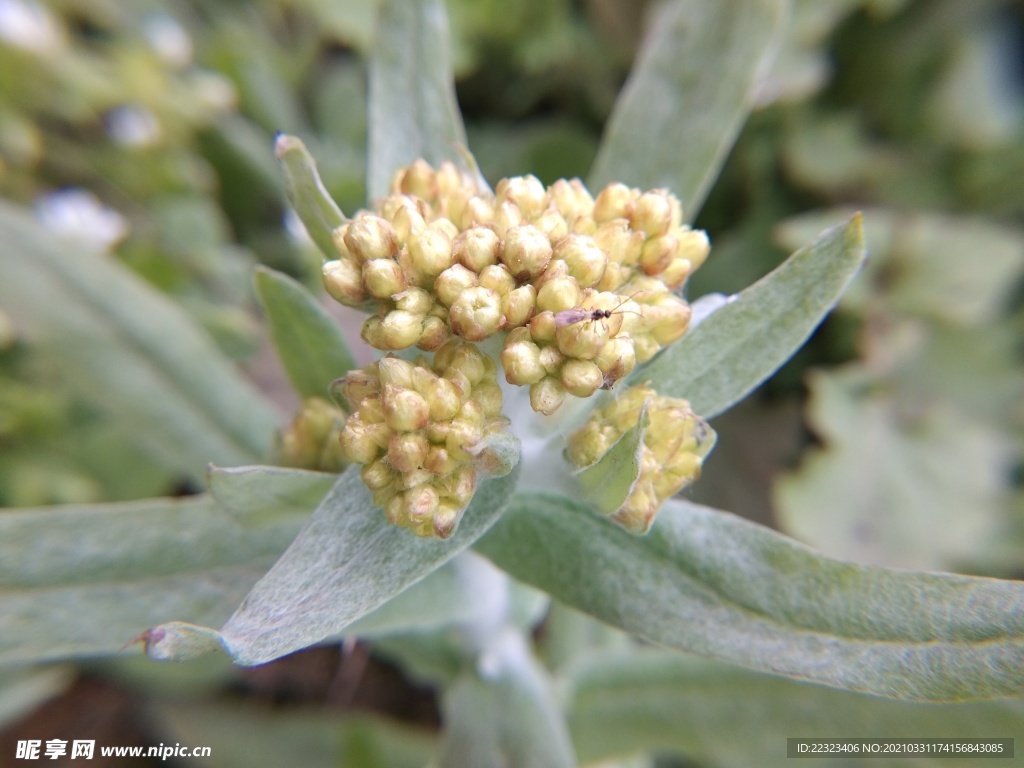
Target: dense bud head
(343, 282)
(547, 396)
(653, 213)
(452, 282)
(383, 278)
(477, 248)
(581, 378)
(586, 262)
(614, 202)
(526, 192)
(476, 313)
(371, 237)
(526, 251)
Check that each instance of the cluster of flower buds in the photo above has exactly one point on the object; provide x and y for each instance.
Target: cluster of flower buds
(423, 432)
(311, 440)
(584, 286)
(674, 446)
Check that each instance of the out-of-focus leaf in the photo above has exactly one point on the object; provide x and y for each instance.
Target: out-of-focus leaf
(347, 561)
(608, 483)
(896, 486)
(744, 342)
(503, 712)
(308, 340)
(413, 112)
(952, 269)
(130, 351)
(319, 214)
(712, 583)
(242, 737)
(618, 704)
(85, 580)
(24, 689)
(688, 95)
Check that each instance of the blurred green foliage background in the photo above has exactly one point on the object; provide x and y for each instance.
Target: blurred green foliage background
(896, 436)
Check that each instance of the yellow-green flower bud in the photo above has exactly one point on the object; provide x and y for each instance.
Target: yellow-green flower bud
(422, 502)
(497, 278)
(444, 400)
(551, 360)
(488, 395)
(526, 251)
(477, 211)
(418, 179)
(430, 253)
(552, 224)
(616, 360)
(558, 294)
(476, 248)
(572, 199)
(378, 475)
(476, 314)
(371, 237)
(519, 305)
(520, 358)
(547, 395)
(581, 378)
(383, 278)
(614, 202)
(445, 519)
(438, 461)
(526, 192)
(506, 217)
(404, 409)
(359, 443)
(396, 330)
(585, 260)
(542, 327)
(435, 333)
(471, 362)
(407, 451)
(653, 212)
(452, 282)
(658, 253)
(415, 301)
(338, 240)
(395, 371)
(310, 441)
(408, 221)
(360, 384)
(343, 282)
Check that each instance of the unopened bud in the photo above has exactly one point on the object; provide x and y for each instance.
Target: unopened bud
(547, 396)
(371, 237)
(430, 253)
(407, 451)
(404, 409)
(581, 378)
(476, 314)
(476, 248)
(526, 192)
(585, 260)
(519, 305)
(383, 278)
(343, 282)
(526, 252)
(451, 283)
(652, 213)
(520, 359)
(614, 202)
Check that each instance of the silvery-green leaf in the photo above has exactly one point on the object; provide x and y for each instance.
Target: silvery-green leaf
(84, 580)
(307, 194)
(308, 340)
(346, 562)
(716, 714)
(412, 113)
(502, 711)
(712, 583)
(265, 496)
(689, 93)
(744, 342)
(608, 483)
(130, 351)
